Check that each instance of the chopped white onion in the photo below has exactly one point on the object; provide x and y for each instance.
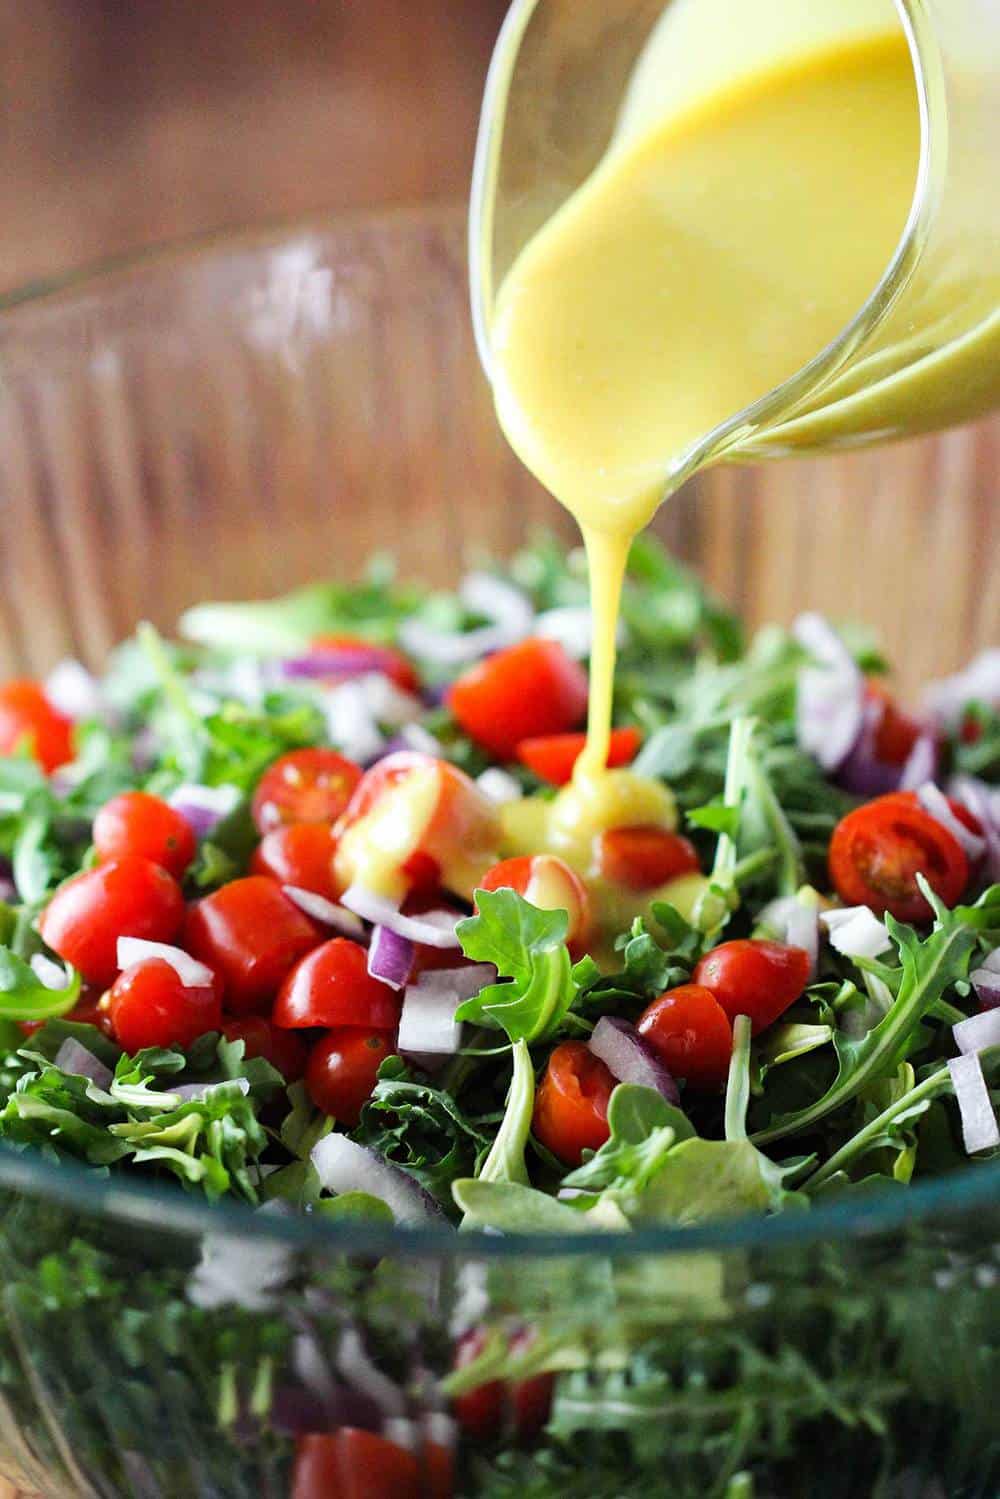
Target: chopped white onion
(73, 690)
(796, 923)
(240, 1271)
(935, 804)
(344, 1166)
(978, 682)
(416, 737)
(430, 928)
(830, 695)
(350, 722)
(427, 1022)
(192, 974)
(386, 700)
(978, 1031)
(74, 1058)
(354, 1365)
(856, 932)
(51, 975)
(983, 801)
(508, 609)
(403, 1432)
(979, 1121)
(921, 763)
(572, 626)
(327, 912)
(499, 785)
(441, 1429)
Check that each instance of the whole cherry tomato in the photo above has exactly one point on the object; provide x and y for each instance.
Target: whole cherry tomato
(372, 657)
(306, 785)
(571, 1105)
(641, 858)
(691, 1033)
(27, 718)
(342, 1070)
(332, 986)
(300, 854)
(130, 897)
(251, 935)
(136, 823)
(551, 885)
(354, 1464)
(150, 1006)
(878, 850)
(285, 1051)
(756, 978)
(553, 756)
(527, 690)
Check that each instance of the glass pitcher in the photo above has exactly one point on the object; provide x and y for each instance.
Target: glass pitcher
(567, 79)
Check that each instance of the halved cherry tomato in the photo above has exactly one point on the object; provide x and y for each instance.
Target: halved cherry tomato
(150, 1006)
(451, 830)
(756, 978)
(383, 658)
(895, 732)
(527, 690)
(283, 1049)
(306, 785)
(300, 854)
(553, 756)
(437, 1471)
(130, 897)
(28, 719)
(342, 1069)
(136, 823)
(354, 1464)
(878, 850)
(332, 986)
(571, 1105)
(691, 1033)
(551, 885)
(520, 1406)
(642, 858)
(250, 934)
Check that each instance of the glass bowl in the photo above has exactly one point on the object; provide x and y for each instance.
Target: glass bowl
(236, 418)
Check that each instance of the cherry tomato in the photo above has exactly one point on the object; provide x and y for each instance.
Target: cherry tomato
(553, 756)
(27, 718)
(756, 978)
(342, 1069)
(332, 986)
(300, 854)
(551, 885)
(128, 897)
(691, 1033)
(895, 732)
(528, 690)
(383, 658)
(285, 1051)
(136, 823)
(530, 1400)
(250, 934)
(307, 785)
(150, 1006)
(437, 1471)
(642, 858)
(878, 850)
(354, 1464)
(520, 1406)
(571, 1105)
(456, 831)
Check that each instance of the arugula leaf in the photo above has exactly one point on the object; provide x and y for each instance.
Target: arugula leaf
(23, 996)
(648, 969)
(643, 1129)
(528, 948)
(516, 1209)
(701, 1180)
(505, 1162)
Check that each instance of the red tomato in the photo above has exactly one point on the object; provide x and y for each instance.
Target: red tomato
(283, 1049)
(250, 934)
(530, 689)
(136, 823)
(300, 854)
(437, 1471)
(530, 1400)
(553, 756)
(548, 883)
(383, 658)
(342, 1069)
(521, 1406)
(307, 785)
(691, 1033)
(27, 718)
(332, 986)
(878, 850)
(128, 897)
(150, 1006)
(896, 732)
(354, 1464)
(644, 857)
(571, 1105)
(756, 978)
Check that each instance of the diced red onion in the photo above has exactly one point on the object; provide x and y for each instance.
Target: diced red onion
(198, 1092)
(499, 785)
(354, 1364)
(427, 1024)
(192, 974)
(856, 932)
(796, 924)
(862, 772)
(51, 975)
(74, 1058)
(978, 1031)
(983, 801)
(979, 682)
(921, 764)
(326, 912)
(430, 928)
(344, 1166)
(986, 981)
(505, 606)
(390, 957)
(979, 1121)
(8, 890)
(334, 661)
(74, 691)
(935, 804)
(204, 807)
(627, 1057)
(830, 696)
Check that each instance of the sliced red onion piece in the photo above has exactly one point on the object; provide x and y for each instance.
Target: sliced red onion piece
(935, 804)
(427, 1024)
(354, 1364)
(390, 957)
(979, 1121)
(204, 807)
(627, 1057)
(8, 890)
(986, 982)
(334, 661)
(983, 801)
(856, 932)
(862, 772)
(74, 1058)
(430, 928)
(499, 786)
(326, 912)
(921, 763)
(192, 974)
(73, 690)
(344, 1166)
(979, 682)
(796, 924)
(51, 975)
(830, 697)
(505, 606)
(978, 1031)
